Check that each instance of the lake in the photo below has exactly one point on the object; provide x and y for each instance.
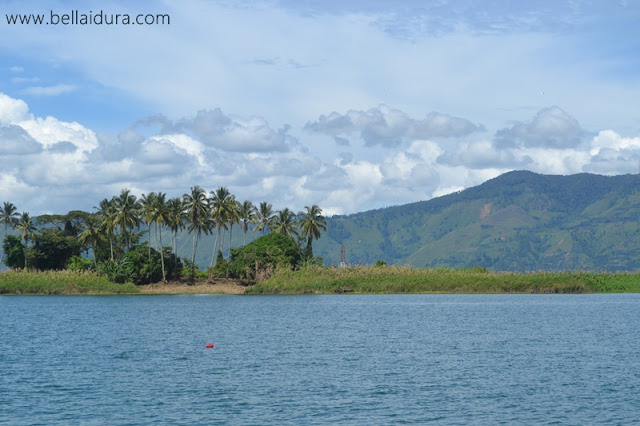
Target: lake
(348, 359)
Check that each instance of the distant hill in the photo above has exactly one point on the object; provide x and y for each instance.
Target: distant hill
(519, 221)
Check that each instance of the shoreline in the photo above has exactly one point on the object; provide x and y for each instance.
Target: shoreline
(201, 286)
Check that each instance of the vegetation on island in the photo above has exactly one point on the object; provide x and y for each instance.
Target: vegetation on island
(108, 243)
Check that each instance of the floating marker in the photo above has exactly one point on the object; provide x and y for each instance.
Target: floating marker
(209, 345)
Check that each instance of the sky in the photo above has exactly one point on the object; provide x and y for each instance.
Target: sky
(351, 105)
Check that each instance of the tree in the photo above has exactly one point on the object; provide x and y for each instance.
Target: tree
(311, 224)
(8, 216)
(197, 211)
(91, 235)
(160, 214)
(284, 223)
(127, 214)
(256, 260)
(233, 217)
(15, 251)
(264, 217)
(52, 248)
(175, 221)
(147, 202)
(27, 228)
(107, 215)
(221, 204)
(247, 214)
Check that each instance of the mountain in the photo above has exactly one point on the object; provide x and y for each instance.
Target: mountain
(519, 221)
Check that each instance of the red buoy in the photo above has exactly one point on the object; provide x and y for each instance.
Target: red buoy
(209, 345)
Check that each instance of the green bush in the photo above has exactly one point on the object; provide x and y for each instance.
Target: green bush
(120, 271)
(52, 249)
(222, 266)
(79, 263)
(258, 259)
(14, 252)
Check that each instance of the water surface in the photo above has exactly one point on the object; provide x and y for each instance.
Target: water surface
(447, 359)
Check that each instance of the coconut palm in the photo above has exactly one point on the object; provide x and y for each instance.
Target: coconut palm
(8, 216)
(247, 214)
(91, 235)
(233, 217)
(147, 201)
(160, 215)
(197, 211)
(27, 227)
(175, 221)
(221, 203)
(284, 223)
(311, 224)
(127, 214)
(264, 216)
(106, 214)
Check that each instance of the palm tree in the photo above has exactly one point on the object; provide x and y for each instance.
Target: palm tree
(175, 221)
(221, 201)
(26, 225)
(233, 217)
(284, 223)
(311, 224)
(247, 214)
(264, 216)
(148, 205)
(160, 215)
(128, 214)
(9, 216)
(197, 210)
(107, 213)
(91, 235)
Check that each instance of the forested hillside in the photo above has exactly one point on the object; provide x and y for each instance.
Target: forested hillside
(519, 221)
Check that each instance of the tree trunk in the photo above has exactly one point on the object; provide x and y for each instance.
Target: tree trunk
(164, 277)
(193, 258)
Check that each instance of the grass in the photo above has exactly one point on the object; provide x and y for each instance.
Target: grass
(60, 282)
(356, 279)
(371, 279)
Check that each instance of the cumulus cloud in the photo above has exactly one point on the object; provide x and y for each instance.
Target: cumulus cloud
(216, 129)
(14, 140)
(613, 154)
(13, 110)
(390, 127)
(483, 155)
(550, 128)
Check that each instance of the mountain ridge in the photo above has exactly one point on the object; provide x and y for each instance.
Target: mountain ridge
(518, 221)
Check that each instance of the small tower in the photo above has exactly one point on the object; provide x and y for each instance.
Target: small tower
(342, 257)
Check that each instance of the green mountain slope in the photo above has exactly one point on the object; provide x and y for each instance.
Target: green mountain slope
(519, 221)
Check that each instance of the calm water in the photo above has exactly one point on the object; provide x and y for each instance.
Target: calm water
(446, 359)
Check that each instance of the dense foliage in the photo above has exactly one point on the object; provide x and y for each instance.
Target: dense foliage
(258, 259)
(111, 236)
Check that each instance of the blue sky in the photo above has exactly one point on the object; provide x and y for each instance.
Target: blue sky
(351, 105)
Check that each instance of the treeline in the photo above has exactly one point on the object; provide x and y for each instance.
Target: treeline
(112, 234)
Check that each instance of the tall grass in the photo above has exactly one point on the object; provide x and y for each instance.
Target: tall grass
(393, 279)
(60, 282)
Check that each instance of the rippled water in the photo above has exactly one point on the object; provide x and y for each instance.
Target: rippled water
(447, 359)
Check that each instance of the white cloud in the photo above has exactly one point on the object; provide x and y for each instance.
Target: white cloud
(550, 128)
(54, 90)
(612, 140)
(390, 127)
(13, 110)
